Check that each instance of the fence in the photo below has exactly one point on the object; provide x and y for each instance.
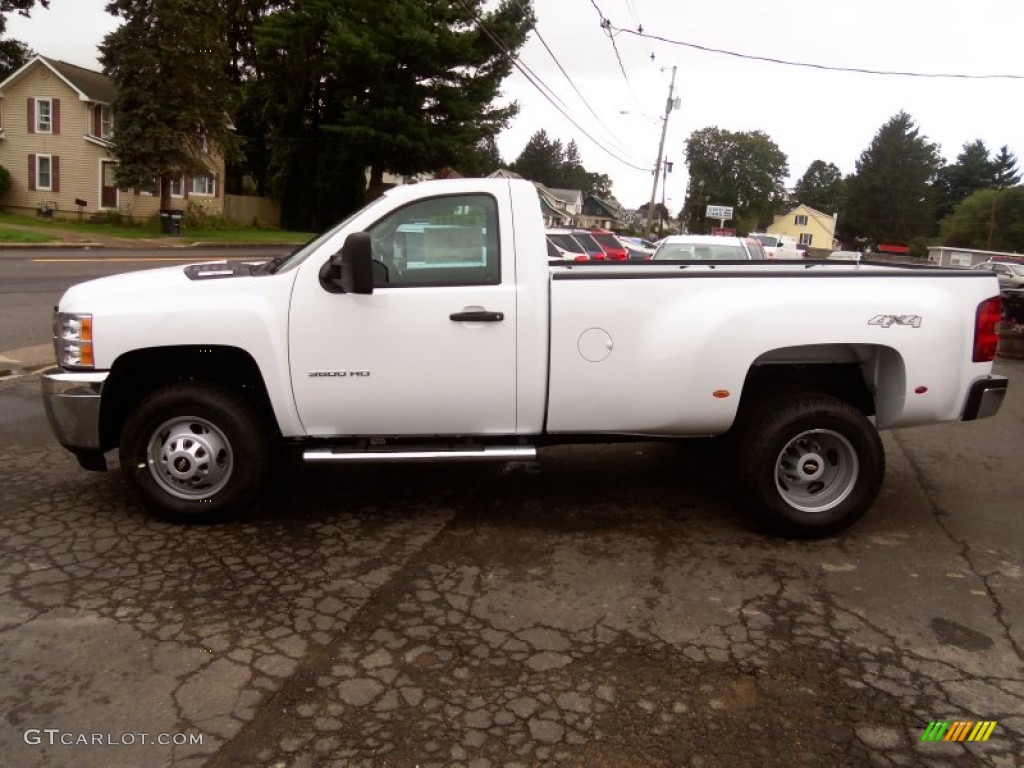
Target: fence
(253, 211)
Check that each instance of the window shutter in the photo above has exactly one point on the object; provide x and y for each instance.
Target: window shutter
(55, 173)
(31, 115)
(55, 109)
(31, 173)
(186, 184)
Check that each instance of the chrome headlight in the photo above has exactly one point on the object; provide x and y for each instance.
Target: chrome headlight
(72, 340)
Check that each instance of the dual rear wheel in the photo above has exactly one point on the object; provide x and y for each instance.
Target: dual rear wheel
(807, 464)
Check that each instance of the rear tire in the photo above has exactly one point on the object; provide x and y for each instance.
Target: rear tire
(807, 464)
(195, 451)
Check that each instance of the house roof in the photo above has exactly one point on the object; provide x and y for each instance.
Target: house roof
(824, 219)
(88, 84)
(568, 195)
(504, 173)
(611, 208)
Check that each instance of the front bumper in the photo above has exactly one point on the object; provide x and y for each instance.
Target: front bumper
(72, 404)
(984, 398)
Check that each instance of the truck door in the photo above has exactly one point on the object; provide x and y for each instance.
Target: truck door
(432, 351)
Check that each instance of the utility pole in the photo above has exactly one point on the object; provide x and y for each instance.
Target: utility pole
(669, 106)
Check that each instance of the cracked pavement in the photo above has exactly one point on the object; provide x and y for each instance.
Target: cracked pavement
(607, 606)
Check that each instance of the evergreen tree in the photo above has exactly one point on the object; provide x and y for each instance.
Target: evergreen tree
(423, 78)
(890, 196)
(403, 86)
(21, 6)
(480, 160)
(542, 160)
(973, 170)
(171, 112)
(820, 187)
(1004, 169)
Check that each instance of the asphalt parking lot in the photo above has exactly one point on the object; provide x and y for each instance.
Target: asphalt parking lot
(607, 606)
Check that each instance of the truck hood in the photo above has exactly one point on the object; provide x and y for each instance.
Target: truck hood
(164, 283)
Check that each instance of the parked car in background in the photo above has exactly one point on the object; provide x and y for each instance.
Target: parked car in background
(592, 247)
(844, 256)
(708, 248)
(1010, 275)
(613, 248)
(777, 246)
(568, 246)
(635, 251)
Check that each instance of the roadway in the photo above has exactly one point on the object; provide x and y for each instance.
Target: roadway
(32, 280)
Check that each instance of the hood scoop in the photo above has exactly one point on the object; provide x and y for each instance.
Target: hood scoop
(219, 269)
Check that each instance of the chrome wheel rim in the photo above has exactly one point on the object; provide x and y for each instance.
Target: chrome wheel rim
(190, 458)
(816, 471)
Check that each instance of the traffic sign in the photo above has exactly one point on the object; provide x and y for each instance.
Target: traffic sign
(719, 212)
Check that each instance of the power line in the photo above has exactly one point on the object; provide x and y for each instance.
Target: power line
(811, 65)
(606, 25)
(537, 83)
(620, 145)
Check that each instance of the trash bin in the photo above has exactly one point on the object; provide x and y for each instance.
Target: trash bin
(170, 222)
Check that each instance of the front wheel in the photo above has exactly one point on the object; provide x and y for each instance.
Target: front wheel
(195, 451)
(808, 465)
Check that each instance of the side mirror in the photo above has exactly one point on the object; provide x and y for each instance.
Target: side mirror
(351, 269)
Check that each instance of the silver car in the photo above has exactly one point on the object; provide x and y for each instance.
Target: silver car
(1010, 275)
(708, 248)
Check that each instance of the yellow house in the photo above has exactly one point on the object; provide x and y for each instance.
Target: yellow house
(56, 141)
(807, 227)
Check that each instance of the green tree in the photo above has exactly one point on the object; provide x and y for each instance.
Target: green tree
(744, 170)
(989, 219)
(480, 160)
(168, 62)
(821, 187)
(21, 6)
(14, 54)
(542, 159)
(423, 78)
(403, 86)
(1004, 169)
(973, 170)
(890, 197)
(546, 161)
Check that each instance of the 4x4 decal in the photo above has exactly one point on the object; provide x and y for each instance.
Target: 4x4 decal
(914, 321)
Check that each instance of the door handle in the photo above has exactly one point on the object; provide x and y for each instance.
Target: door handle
(478, 316)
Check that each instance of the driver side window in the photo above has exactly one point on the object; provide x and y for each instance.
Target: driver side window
(451, 240)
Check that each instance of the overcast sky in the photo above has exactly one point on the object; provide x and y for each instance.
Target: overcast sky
(809, 113)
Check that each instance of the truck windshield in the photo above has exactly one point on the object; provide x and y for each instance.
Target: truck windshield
(296, 257)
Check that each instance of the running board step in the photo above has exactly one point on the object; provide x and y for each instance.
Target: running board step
(488, 453)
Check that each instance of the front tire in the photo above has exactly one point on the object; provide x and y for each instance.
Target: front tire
(808, 465)
(195, 451)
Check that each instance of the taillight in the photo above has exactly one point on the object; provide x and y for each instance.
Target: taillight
(986, 319)
(582, 257)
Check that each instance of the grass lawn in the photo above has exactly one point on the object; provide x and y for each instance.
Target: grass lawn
(21, 236)
(150, 231)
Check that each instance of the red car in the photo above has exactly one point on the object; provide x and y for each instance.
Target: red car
(614, 251)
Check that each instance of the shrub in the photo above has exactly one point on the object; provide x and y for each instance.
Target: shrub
(197, 217)
(5, 180)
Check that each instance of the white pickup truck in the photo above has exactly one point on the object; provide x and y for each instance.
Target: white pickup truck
(430, 326)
